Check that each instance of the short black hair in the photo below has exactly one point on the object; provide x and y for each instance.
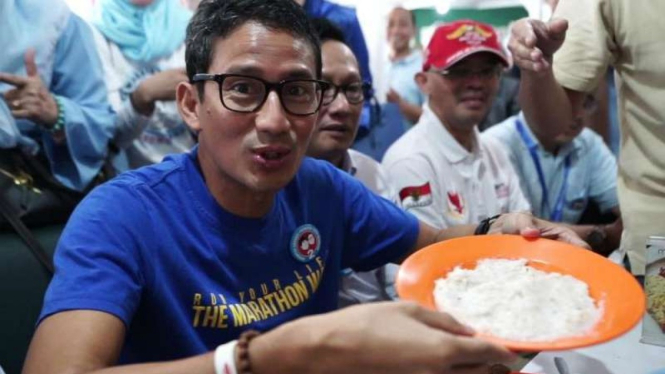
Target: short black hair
(219, 18)
(327, 30)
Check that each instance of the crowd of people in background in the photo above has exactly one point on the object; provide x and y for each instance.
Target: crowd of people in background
(231, 125)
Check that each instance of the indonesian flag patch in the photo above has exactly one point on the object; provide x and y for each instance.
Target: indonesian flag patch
(416, 196)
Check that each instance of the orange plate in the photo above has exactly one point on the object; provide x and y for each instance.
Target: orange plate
(622, 297)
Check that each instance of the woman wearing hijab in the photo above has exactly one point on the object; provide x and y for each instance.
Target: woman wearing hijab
(53, 100)
(141, 43)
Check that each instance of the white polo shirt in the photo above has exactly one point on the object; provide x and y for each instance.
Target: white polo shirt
(375, 285)
(445, 185)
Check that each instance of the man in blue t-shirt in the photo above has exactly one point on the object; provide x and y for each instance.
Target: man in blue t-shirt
(165, 263)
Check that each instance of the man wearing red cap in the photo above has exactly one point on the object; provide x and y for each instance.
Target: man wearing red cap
(444, 172)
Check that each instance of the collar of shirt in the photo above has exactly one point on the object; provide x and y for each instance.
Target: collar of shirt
(445, 141)
(347, 164)
(564, 151)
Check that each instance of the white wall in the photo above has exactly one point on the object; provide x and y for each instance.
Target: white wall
(81, 7)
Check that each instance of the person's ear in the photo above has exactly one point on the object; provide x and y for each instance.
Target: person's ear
(422, 80)
(187, 99)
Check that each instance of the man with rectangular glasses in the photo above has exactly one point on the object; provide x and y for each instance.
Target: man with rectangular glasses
(246, 94)
(166, 266)
(333, 136)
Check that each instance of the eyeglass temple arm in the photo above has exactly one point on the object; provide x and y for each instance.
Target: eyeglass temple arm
(200, 77)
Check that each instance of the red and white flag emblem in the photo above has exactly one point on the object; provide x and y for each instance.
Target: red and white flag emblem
(416, 196)
(455, 203)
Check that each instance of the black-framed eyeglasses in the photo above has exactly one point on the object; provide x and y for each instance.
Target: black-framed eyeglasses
(457, 74)
(246, 94)
(355, 92)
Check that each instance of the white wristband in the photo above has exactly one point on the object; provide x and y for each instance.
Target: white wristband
(225, 361)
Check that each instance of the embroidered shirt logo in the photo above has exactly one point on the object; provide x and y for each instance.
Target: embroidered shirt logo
(305, 243)
(416, 196)
(455, 203)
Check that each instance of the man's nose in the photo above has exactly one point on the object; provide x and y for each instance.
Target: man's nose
(272, 116)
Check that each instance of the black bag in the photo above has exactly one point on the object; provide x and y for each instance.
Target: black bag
(33, 193)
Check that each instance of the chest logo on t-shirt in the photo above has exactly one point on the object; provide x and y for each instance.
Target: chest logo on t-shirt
(416, 196)
(305, 243)
(455, 203)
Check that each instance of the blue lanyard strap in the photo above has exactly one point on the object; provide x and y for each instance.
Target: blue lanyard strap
(556, 214)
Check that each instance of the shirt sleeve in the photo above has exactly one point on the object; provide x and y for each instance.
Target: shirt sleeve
(583, 59)
(78, 82)
(603, 170)
(380, 232)
(130, 124)
(97, 261)
(386, 188)
(418, 190)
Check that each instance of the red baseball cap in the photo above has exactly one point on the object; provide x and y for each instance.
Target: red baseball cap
(454, 41)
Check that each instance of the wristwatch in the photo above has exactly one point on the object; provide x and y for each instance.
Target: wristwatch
(485, 225)
(596, 238)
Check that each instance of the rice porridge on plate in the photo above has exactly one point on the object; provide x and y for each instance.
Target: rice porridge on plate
(511, 300)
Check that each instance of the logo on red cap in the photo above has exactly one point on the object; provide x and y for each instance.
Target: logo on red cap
(470, 34)
(455, 41)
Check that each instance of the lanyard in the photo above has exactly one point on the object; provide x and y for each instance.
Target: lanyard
(556, 214)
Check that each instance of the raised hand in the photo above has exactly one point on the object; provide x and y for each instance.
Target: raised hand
(533, 43)
(30, 99)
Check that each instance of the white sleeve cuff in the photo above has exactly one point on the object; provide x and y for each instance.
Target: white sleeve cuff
(225, 362)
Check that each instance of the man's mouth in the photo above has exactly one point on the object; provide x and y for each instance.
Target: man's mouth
(271, 155)
(479, 98)
(473, 101)
(335, 127)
